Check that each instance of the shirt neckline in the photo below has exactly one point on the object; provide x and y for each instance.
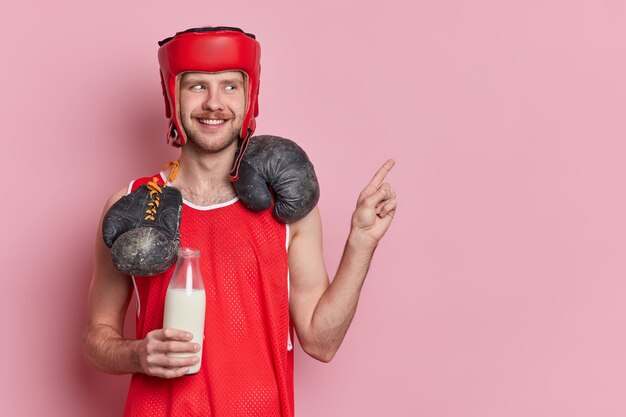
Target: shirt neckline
(199, 207)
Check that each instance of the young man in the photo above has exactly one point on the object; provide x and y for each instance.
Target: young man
(262, 277)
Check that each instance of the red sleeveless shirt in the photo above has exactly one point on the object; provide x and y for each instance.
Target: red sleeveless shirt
(247, 356)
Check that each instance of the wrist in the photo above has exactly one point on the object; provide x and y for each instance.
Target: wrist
(137, 349)
(359, 240)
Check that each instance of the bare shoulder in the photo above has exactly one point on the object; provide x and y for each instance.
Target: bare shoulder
(103, 254)
(306, 261)
(309, 224)
(307, 271)
(110, 290)
(114, 198)
(101, 249)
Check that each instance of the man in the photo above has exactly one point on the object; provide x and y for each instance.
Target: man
(263, 278)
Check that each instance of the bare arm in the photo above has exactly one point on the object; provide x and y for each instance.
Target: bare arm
(103, 343)
(322, 312)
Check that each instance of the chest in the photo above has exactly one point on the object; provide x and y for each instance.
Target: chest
(236, 242)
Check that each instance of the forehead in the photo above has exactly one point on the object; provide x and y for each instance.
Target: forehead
(213, 76)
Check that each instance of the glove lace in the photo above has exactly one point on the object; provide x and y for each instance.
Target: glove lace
(156, 189)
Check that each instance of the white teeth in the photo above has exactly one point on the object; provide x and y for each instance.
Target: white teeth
(211, 121)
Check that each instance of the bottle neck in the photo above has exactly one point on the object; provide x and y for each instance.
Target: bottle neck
(187, 274)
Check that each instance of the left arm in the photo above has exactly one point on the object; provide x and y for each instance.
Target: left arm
(322, 312)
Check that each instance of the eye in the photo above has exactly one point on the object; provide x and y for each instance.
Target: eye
(230, 87)
(197, 87)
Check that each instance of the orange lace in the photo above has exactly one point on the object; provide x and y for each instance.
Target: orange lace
(156, 189)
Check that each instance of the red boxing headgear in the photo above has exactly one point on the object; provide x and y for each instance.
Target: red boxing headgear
(210, 49)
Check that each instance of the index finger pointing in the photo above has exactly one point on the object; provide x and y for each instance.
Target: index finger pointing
(381, 174)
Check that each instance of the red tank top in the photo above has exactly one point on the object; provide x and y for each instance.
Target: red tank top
(247, 357)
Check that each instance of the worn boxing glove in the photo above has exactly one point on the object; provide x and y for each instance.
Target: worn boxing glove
(272, 164)
(142, 230)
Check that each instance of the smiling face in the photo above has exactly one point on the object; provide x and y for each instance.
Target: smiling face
(212, 108)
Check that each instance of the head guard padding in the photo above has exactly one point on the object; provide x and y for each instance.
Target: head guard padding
(212, 49)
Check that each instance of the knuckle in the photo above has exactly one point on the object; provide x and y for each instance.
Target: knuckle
(150, 346)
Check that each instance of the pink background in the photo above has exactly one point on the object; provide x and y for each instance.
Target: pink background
(499, 289)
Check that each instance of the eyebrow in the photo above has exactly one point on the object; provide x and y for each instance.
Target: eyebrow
(231, 81)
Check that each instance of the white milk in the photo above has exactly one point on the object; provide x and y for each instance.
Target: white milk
(185, 310)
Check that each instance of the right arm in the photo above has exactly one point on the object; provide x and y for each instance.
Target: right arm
(103, 344)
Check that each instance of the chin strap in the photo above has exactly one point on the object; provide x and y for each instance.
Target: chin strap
(233, 175)
(173, 138)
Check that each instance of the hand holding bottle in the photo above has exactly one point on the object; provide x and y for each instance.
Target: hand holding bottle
(153, 353)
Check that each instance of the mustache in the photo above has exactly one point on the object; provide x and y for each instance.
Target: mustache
(208, 115)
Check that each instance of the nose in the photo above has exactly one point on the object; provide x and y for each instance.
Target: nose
(213, 101)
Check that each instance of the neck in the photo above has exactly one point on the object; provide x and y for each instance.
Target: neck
(203, 176)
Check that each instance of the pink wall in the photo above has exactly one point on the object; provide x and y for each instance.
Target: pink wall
(498, 291)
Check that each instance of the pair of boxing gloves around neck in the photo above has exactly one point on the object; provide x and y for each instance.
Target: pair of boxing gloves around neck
(144, 236)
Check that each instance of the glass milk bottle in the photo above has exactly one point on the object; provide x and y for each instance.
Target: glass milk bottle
(185, 301)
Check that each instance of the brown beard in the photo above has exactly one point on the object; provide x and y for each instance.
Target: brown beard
(192, 138)
(232, 137)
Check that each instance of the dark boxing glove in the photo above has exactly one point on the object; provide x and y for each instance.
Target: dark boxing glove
(278, 165)
(142, 230)
(146, 244)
